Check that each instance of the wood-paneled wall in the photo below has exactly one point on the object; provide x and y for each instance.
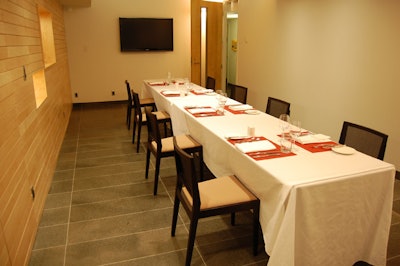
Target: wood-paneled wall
(30, 137)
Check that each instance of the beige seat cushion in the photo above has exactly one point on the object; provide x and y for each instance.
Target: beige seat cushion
(221, 191)
(147, 101)
(160, 115)
(184, 142)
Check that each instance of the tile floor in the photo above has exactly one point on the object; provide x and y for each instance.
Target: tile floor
(101, 211)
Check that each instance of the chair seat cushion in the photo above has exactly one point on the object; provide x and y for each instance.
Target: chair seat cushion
(161, 115)
(221, 191)
(184, 141)
(147, 101)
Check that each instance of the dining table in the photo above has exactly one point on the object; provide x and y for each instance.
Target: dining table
(320, 204)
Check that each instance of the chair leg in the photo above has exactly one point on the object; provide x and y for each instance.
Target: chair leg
(192, 236)
(138, 136)
(232, 218)
(134, 131)
(147, 162)
(256, 226)
(158, 162)
(128, 117)
(175, 214)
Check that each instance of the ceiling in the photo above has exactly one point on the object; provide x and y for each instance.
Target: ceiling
(76, 3)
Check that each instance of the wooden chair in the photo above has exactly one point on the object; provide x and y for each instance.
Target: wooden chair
(237, 92)
(276, 107)
(210, 83)
(363, 139)
(164, 147)
(139, 119)
(222, 195)
(144, 102)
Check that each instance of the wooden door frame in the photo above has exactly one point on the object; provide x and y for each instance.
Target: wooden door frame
(214, 64)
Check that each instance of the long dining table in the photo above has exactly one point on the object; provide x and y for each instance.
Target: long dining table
(318, 207)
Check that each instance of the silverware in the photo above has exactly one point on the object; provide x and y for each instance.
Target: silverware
(264, 153)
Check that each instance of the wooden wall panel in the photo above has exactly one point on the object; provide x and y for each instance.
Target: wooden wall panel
(30, 137)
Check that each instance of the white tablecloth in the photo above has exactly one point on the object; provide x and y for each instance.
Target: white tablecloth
(316, 208)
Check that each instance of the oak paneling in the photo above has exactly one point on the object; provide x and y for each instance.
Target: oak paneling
(30, 137)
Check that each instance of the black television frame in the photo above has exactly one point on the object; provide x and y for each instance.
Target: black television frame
(146, 34)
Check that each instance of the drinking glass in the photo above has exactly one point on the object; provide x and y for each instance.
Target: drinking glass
(284, 122)
(295, 129)
(221, 98)
(187, 85)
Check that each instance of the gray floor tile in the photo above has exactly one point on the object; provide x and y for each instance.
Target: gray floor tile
(58, 200)
(51, 236)
(118, 207)
(394, 241)
(125, 247)
(108, 169)
(48, 257)
(55, 216)
(61, 186)
(120, 225)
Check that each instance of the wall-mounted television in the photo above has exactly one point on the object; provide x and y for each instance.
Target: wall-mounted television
(146, 34)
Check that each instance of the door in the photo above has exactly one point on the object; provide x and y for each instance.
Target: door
(210, 63)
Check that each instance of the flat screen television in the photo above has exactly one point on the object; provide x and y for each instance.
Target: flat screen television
(146, 34)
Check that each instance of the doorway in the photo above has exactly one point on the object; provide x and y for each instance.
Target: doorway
(206, 59)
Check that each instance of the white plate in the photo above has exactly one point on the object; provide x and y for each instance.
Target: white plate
(211, 93)
(252, 112)
(343, 150)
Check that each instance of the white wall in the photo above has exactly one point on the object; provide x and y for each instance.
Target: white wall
(334, 60)
(96, 64)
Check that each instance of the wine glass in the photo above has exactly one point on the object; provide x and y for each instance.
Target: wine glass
(284, 122)
(295, 129)
(221, 98)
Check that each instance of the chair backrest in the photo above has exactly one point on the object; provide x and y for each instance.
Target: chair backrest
(153, 129)
(238, 93)
(128, 89)
(276, 107)
(363, 139)
(210, 83)
(186, 174)
(136, 104)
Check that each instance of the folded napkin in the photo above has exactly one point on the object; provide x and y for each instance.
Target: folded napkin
(203, 90)
(262, 145)
(170, 92)
(313, 138)
(242, 107)
(201, 110)
(155, 83)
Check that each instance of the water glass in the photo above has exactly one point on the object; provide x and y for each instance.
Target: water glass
(286, 142)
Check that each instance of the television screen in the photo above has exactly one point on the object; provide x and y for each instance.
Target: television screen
(146, 34)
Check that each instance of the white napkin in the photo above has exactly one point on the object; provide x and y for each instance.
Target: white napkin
(262, 145)
(157, 83)
(241, 107)
(201, 110)
(170, 92)
(203, 90)
(313, 138)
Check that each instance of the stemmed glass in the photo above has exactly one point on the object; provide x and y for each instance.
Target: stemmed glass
(284, 123)
(295, 130)
(187, 85)
(221, 98)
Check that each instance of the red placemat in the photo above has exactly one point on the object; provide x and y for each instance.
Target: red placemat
(317, 147)
(262, 155)
(157, 83)
(236, 112)
(206, 114)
